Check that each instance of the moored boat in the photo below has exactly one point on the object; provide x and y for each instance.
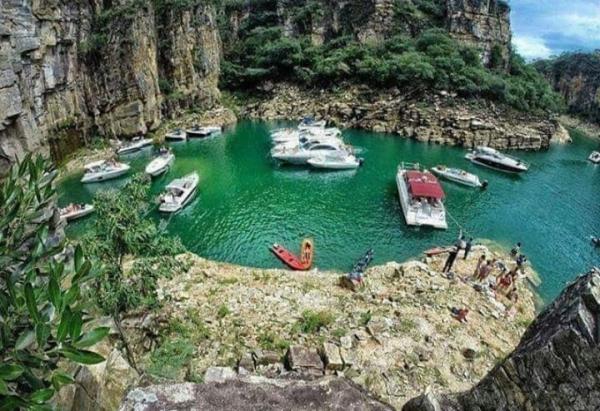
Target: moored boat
(176, 135)
(421, 197)
(136, 144)
(595, 157)
(75, 211)
(335, 162)
(179, 193)
(160, 163)
(202, 132)
(301, 154)
(287, 257)
(458, 176)
(103, 170)
(488, 157)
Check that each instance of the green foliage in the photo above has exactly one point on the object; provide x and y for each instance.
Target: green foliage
(168, 360)
(223, 311)
(312, 321)
(270, 341)
(122, 229)
(422, 58)
(42, 312)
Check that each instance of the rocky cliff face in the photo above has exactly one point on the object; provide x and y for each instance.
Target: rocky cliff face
(439, 118)
(556, 366)
(113, 68)
(484, 24)
(577, 78)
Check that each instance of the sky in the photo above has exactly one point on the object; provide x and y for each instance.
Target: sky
(543, 28)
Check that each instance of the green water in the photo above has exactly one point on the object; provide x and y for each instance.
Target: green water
(246, 202)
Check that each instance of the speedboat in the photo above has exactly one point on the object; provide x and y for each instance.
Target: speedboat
(201, 132)
(301, 154)
(160, 164)
(457, 175)
(176, 135)
(595, 157)
(136, 144)
(178, 193)
(335, 162)
(104, 170)
(75, 211)
(421, 197)
(488, 157)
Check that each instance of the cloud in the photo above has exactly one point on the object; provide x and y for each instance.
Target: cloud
(550, 27)
(531, 47)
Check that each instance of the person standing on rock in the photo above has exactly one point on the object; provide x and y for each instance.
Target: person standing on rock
(450, 260)
(478, 266)
(468, 247)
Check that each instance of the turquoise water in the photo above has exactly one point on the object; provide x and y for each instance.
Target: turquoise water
(247, 202)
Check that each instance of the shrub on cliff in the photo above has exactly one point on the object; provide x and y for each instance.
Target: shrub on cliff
(42, 311)
(426, 60)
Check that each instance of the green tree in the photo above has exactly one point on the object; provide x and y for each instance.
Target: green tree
(42, 312)
(123, 229)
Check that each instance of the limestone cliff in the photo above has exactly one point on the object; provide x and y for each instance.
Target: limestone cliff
(483, 24)
(577, 77)
(70, 69)
(556, 366)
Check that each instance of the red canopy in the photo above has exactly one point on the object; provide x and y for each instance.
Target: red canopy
(422, 184)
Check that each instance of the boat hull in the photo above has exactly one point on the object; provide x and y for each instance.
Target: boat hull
(333, 165)
(156, 168)
(89, 209)
(101, 177)
(288, 258)
(411, 217)
(494, 165)
(474, 182)
(176, 137)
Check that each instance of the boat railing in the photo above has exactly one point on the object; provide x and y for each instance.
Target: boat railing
(409, 166)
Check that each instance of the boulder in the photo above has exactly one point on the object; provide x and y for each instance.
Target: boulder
(332, 357)
(253, 393)
(304, 360)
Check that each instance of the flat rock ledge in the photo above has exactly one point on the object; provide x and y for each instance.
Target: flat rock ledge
(556, 366)
(250, 393)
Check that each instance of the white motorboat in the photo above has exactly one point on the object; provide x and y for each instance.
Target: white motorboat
(178, 193)
(104, 170)
(201, 132)
(421, 197)
(134, 145)
(335, 162)
(595, 157)
(176, 135)
(309, 123)
(75, 211)
(457, 175)
(301, 154)
(488, 157)
(309, 139)
(160, 164)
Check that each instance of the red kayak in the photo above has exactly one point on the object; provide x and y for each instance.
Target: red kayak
(288, 258)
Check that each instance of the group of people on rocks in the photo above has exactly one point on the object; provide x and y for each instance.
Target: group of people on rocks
(489, 272)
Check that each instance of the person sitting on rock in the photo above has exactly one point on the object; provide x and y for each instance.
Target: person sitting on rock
(460, 314)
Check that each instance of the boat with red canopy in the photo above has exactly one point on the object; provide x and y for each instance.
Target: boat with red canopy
(421, 197)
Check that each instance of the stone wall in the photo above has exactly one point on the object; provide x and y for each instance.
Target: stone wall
(556, 366)
(57, 73)
(442, 118)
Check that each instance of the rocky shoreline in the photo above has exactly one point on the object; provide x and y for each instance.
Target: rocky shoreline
(393, 337)
(442, 118)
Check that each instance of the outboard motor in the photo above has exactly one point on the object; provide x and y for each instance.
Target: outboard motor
(485, 185)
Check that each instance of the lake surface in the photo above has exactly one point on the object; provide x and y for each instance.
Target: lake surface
(247, 202)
